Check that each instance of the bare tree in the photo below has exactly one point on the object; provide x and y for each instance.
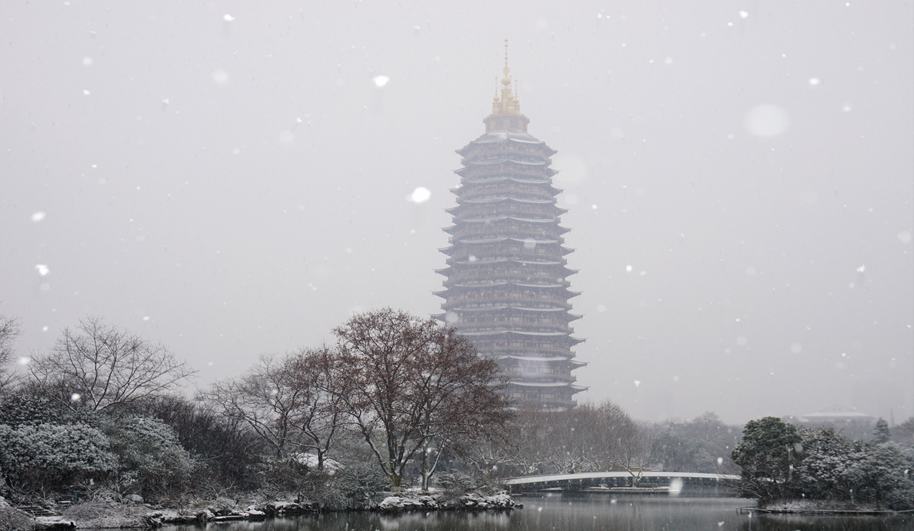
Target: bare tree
(294, 403)
(636, 444)
(460, 401)
(9, 329)
(316, 373)
(266, 400)
(411, 380)
(100, 367)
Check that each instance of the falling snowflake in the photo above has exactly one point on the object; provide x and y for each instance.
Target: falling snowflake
(88, 61)
(628, 268)
(744, 14)
(380, 80)
(814, 82)
(38, 216)
(42, 269)
(637, 383)
(75, 397)
(228, 18)
(420, 195)
(24, 361)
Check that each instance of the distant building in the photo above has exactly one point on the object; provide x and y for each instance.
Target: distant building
(506, 284)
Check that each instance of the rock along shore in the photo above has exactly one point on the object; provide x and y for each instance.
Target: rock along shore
(123, 516)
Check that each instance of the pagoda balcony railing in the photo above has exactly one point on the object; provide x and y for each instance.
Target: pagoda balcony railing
(525, 276)
(525, 349)
(506, 209)
(548, 400)
(537, 328)
(507, 188)
(493, 304)
(542, 199)
(543, 250)
(521, 376)
(541, 231)
(552, 323)
(555, 332)
(527, 299)
(505, 170)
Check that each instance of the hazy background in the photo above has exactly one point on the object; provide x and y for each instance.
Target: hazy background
(229, 179)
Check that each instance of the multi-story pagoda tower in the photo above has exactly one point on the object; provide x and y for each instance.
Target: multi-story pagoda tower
(506, 284)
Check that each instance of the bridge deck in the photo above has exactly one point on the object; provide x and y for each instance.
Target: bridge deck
(527, 480)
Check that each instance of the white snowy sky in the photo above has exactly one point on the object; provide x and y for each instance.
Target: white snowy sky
(228, 179)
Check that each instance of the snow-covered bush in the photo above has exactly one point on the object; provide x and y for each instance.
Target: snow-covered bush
(151, 460)
(53, 456)
(30, 407)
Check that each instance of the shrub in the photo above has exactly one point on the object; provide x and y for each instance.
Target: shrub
(53, 456)
(151, 460)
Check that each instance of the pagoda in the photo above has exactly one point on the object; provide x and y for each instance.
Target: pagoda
(506, 286)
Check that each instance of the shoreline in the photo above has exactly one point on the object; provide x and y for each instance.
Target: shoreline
(813, 511)
(114, 515)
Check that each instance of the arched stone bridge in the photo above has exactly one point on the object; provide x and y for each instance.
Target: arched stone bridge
(690, 481)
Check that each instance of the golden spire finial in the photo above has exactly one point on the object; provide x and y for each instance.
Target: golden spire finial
(506, 102)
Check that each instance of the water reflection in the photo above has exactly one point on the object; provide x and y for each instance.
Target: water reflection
(580, 512)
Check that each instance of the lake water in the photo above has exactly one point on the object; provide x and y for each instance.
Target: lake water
(580, 512)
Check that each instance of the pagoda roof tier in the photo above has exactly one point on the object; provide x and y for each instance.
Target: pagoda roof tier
(470, 181)
(503, 198)
(518, 275)
(534, 329)
(508, 259)
(565, 294)
(456, 211)
(508, 217)
(474, 191)
(544, 359)
(502, 307)
(505, 169)
(497, 239)
(508, 229)
(498, 282)
(454, 305)
(504, 331)
(533, 161)
(500, 137)
(558, 313)
(514, 251)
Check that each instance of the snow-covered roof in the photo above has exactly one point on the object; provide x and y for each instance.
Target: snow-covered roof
(490, 180)
(490, 219)
(499, 199)
(527, 241)
(492, 162)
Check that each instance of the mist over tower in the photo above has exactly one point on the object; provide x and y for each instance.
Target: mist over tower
(506, 284)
